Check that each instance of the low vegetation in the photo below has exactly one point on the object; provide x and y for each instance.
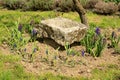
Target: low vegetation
(18, 29)
(110, 6)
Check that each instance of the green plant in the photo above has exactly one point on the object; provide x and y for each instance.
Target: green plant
(16, 40)
(94, 42)
(14, 4)
(70, 51)
(114, 39)
(115, 42)
(106, 8)
(90, 4)
(66, 5)
(84, 2)
(71, 63)
(116, 1)
(89, 40)
(99, 46)
(39, 5)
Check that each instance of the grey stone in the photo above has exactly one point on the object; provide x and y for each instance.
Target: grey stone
(61, 30)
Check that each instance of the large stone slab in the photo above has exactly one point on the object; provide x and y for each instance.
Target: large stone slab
(62, 30)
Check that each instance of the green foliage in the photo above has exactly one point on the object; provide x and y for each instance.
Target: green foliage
(106, 8)
(116, 1)
(88, 40)
(99, 46)
(29, 4)
(70, 51)
(16, 40)
(66, 5)
(84, 2)
(107, 74)
(114, 39)
(94, 42)
(14, 4)
(39, 5)
(115, 42)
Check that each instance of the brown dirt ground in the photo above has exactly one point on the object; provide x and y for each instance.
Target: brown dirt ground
(63, 64)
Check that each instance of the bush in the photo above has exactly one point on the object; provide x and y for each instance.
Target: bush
(13, 4)
(84, 2)
(116, 1)
(106, 8)
(39, 5)
(66, 5)
(91, 4)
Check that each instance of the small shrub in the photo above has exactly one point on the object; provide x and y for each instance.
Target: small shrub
(39, 5)
(91, 4)
(66, 5)
(84, 2)
(14, 4)
(16, 39)
(116, 1)
(114, 39)
(94, 42)
(106, 8)
(115, 42)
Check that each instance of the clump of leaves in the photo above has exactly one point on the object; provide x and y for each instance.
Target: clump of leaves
(115, 42)
(16, 39)
(94, 42)
(99, 46)
(114, 39)
(70, 51)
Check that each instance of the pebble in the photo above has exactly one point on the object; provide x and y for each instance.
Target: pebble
(88, 70)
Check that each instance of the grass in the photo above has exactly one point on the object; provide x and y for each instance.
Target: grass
(8, 18)
(10, 68)
(108, 73)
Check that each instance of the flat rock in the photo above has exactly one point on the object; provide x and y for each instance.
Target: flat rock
(61, 30)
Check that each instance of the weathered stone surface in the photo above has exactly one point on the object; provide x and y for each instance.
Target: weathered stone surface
(61, 30)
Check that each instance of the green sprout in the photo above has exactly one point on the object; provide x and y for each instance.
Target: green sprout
(70, 51)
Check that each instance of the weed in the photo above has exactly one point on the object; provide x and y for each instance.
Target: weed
(114, 39)
(16, 40)
(94, 42)
(70, 51)
(115, 42)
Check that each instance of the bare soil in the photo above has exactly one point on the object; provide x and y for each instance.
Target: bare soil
(58, 62)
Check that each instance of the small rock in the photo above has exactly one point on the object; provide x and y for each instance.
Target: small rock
(88, 70)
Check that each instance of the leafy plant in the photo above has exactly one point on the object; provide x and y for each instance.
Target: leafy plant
(14, 4)
(99, 46)
(16, 39)
(70, 51)
(116, 1)
(115, 42)
(89, 40)
(114, 39)
(94, 42)
(39, 5)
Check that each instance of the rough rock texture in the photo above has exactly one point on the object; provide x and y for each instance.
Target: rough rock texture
(61, 30)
